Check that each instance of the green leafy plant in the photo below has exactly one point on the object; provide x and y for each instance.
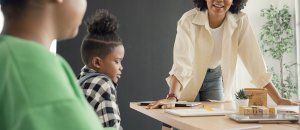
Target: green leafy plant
(241, 94)
(277, 40)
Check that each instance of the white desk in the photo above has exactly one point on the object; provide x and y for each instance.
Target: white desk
(205, 123)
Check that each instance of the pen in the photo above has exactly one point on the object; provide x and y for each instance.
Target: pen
(246, 128)
(207, 108)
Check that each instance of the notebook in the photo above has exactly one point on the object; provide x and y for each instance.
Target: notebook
(198, 112)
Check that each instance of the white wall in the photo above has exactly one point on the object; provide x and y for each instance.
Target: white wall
(53, 46)
(1, 21)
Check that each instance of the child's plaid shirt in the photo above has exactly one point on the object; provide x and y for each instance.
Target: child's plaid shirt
(101, 93)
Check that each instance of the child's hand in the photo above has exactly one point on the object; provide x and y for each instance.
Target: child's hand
(163, 103)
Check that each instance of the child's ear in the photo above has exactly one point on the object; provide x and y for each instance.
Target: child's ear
(97, 62)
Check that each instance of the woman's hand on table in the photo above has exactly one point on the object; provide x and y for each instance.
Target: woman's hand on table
(168, 103)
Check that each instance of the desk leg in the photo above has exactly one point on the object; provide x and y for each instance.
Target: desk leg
(166, 127)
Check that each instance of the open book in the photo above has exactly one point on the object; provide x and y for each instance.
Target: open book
(198, 112)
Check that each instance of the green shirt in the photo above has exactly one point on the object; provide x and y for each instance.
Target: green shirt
(38, 90)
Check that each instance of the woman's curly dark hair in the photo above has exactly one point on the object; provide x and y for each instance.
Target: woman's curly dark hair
(236, 6)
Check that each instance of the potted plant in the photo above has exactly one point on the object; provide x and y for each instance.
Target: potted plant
(242, 99)
(277, 41)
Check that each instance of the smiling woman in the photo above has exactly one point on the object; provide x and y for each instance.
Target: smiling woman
(209, 39)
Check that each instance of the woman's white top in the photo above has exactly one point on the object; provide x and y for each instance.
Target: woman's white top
(194, 46)
(217, 35)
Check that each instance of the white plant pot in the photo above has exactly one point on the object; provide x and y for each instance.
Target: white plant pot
(241, 103)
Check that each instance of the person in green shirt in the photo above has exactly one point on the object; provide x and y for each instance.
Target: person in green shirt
(38, 90)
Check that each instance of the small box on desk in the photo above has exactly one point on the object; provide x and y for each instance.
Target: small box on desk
(257, 96)
(257, 110)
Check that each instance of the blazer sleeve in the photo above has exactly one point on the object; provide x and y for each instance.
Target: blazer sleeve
(182, 54)
(251, 56)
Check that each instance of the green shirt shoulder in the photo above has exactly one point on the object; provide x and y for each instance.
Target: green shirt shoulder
(38, 90)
